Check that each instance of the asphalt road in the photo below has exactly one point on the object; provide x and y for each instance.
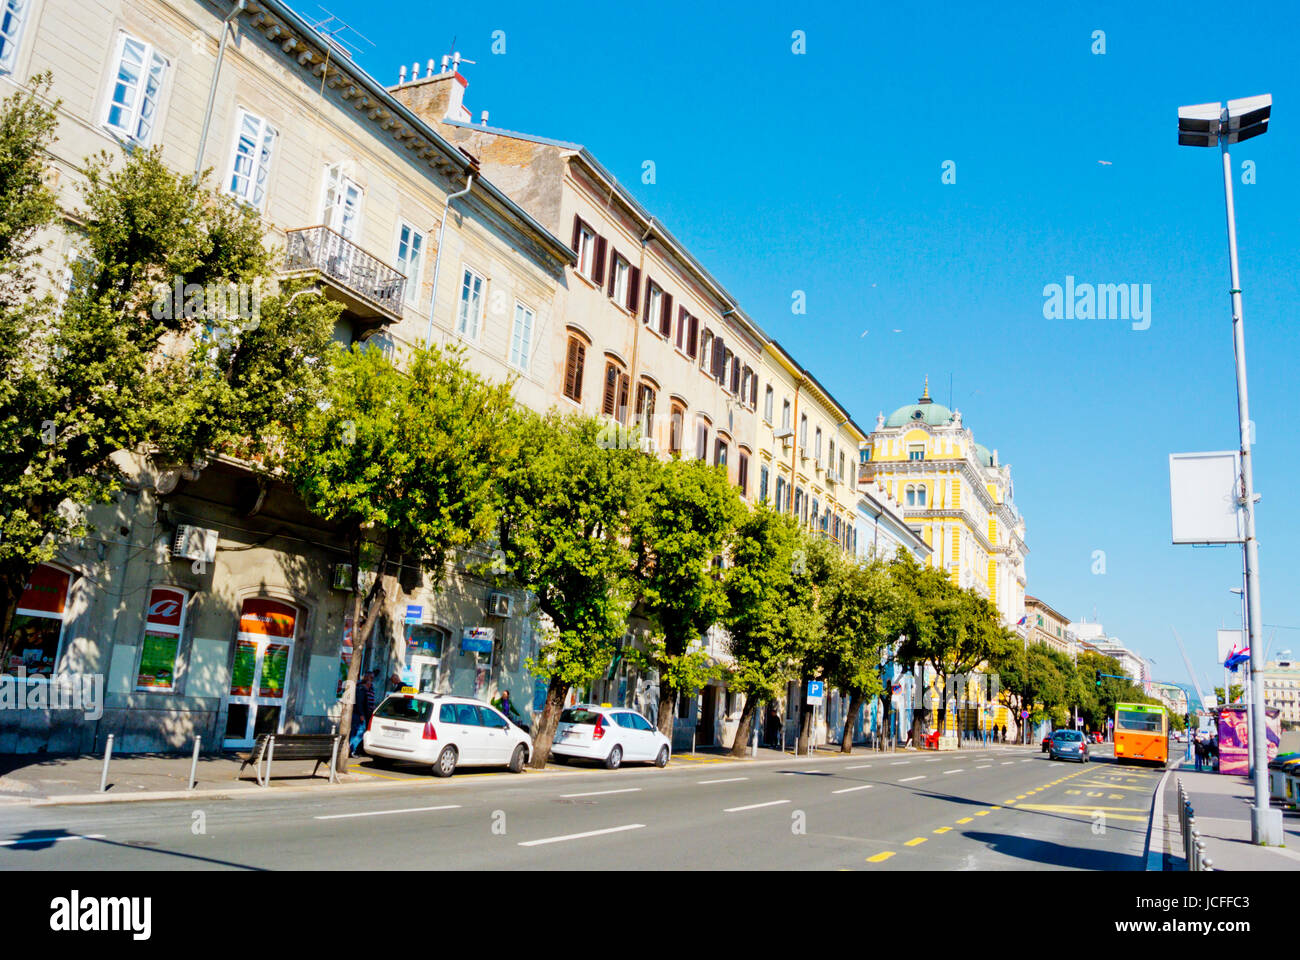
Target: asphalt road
(1000, 808)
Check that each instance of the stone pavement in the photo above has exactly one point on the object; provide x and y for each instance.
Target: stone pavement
(1221, 804)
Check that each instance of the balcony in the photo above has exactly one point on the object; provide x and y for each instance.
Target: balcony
(368, 288)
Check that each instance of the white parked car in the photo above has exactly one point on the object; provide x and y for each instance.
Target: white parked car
(445, 733)
(610, 735)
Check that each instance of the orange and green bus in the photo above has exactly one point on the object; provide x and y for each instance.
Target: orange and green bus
(1141, 733)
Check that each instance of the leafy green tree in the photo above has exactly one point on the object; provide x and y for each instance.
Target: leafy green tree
(770, 618)
(1237, 693)
(564, 509)
(680, 528)
(862, 613)
(126, 366)
(405, 463)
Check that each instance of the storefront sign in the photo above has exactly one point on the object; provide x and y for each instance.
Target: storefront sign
(245, 665)
(477, 639)
(414, 613)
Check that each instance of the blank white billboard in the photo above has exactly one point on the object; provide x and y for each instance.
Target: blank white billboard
(1229, 640)
(1203, 491)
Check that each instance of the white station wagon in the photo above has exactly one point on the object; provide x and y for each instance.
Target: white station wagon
(608, 735)
(445, 733)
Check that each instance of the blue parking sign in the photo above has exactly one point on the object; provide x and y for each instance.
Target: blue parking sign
(816, 692)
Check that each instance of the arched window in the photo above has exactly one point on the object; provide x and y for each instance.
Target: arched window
(920, 495)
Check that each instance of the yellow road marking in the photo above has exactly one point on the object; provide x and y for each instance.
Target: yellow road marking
(880, 857)
(964, 820)
(1083, 810)
(943, 829)
(915, 841)
(1020, 797)
(982, 813)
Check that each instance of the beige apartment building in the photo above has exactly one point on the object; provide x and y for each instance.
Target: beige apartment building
(210, 603)
(1049, 627)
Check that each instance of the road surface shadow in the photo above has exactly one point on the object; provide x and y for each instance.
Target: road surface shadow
(1057, 854)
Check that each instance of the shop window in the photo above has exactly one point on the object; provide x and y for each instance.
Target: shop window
(164, 625)
(36, 634)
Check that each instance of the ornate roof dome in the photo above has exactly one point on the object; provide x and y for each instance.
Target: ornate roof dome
(924, 410)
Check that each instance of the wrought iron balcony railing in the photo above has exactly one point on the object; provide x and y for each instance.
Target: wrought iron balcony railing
(367, 278)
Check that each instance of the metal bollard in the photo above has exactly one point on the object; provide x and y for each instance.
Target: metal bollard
(1200, 854)
(1208, 864)
(270, 755)
(194, 762)
(108, 755)
(334, 759)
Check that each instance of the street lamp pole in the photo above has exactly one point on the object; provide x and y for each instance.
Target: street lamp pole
(1211, 125)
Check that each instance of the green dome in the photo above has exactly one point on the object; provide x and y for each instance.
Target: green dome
(985, 457)
(935, 414)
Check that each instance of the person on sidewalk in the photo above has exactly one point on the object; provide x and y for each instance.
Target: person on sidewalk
(506, 706)
(362, 711)
(1200, 754)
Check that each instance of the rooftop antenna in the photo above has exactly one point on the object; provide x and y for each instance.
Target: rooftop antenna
(339, 33)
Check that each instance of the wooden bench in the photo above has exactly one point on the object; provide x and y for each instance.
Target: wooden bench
(269, 747)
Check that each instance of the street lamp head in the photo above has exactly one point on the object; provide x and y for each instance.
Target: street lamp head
(1198, 125)
(1248, 117)
(1203, 124)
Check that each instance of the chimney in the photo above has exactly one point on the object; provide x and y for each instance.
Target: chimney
(434, 97)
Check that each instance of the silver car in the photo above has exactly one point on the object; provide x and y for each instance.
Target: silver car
(1068, 745)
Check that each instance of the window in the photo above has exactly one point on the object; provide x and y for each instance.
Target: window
(342, 203)
(769, 398)
(749, 384)
(916, 451)
(521, 339)
(734, 365)
(164, 624)
(251, 163)
(666, 317)
(676, 427)
(614, 403)
(798, 502)
(762, 483)
(785, 414)
(413, 711)
(830, 458)
(36, 631)
(742, 473)
(803, 432)
(720, 453)
(693, 337)
(573, 369)
(410, 247)
(645, 408)
(706, 349)
(840, 474)
(780, 494)
(654, 303)
(619, 279)
(137, 83)
(469, 314)
(817, 444)
(590, 251)
(920, 495)
(685, 322)
(13, 14)
(701, 439)
(816, 510)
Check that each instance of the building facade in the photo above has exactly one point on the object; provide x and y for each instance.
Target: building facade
(1281, 679)
(1049, 627)
(956, 495)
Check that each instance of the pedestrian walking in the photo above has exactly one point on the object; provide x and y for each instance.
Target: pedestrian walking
(362, 710)
(1200, 754)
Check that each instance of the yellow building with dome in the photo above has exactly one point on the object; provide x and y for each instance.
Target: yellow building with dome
(956, 495)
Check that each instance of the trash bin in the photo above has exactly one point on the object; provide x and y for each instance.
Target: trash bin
(1279, 787)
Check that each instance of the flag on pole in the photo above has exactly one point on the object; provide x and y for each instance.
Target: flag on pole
(1236, 657)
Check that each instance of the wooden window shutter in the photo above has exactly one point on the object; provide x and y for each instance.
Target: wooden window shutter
(649, 285)
(735, 376)
(624, 385)
(577, 231)
(613, 272)
(598, 264)
(719, 358)
(666, 319)
(610, 401)
(693, 338)
(682, 319)
(573, 369)
(633, 288)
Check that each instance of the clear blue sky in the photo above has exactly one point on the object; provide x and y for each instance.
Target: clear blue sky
(821, 173)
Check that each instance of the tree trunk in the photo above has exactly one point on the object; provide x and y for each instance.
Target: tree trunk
(11, 591)
(855, 704)
(544, 728)
(805, 719)
(361, 631)
(667, 707)
(744, 730)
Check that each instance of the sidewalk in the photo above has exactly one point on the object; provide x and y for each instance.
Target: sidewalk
(35, 779)
(1221, 805)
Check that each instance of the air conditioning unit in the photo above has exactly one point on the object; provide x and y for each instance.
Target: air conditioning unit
(499, 605)
(194, 543)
